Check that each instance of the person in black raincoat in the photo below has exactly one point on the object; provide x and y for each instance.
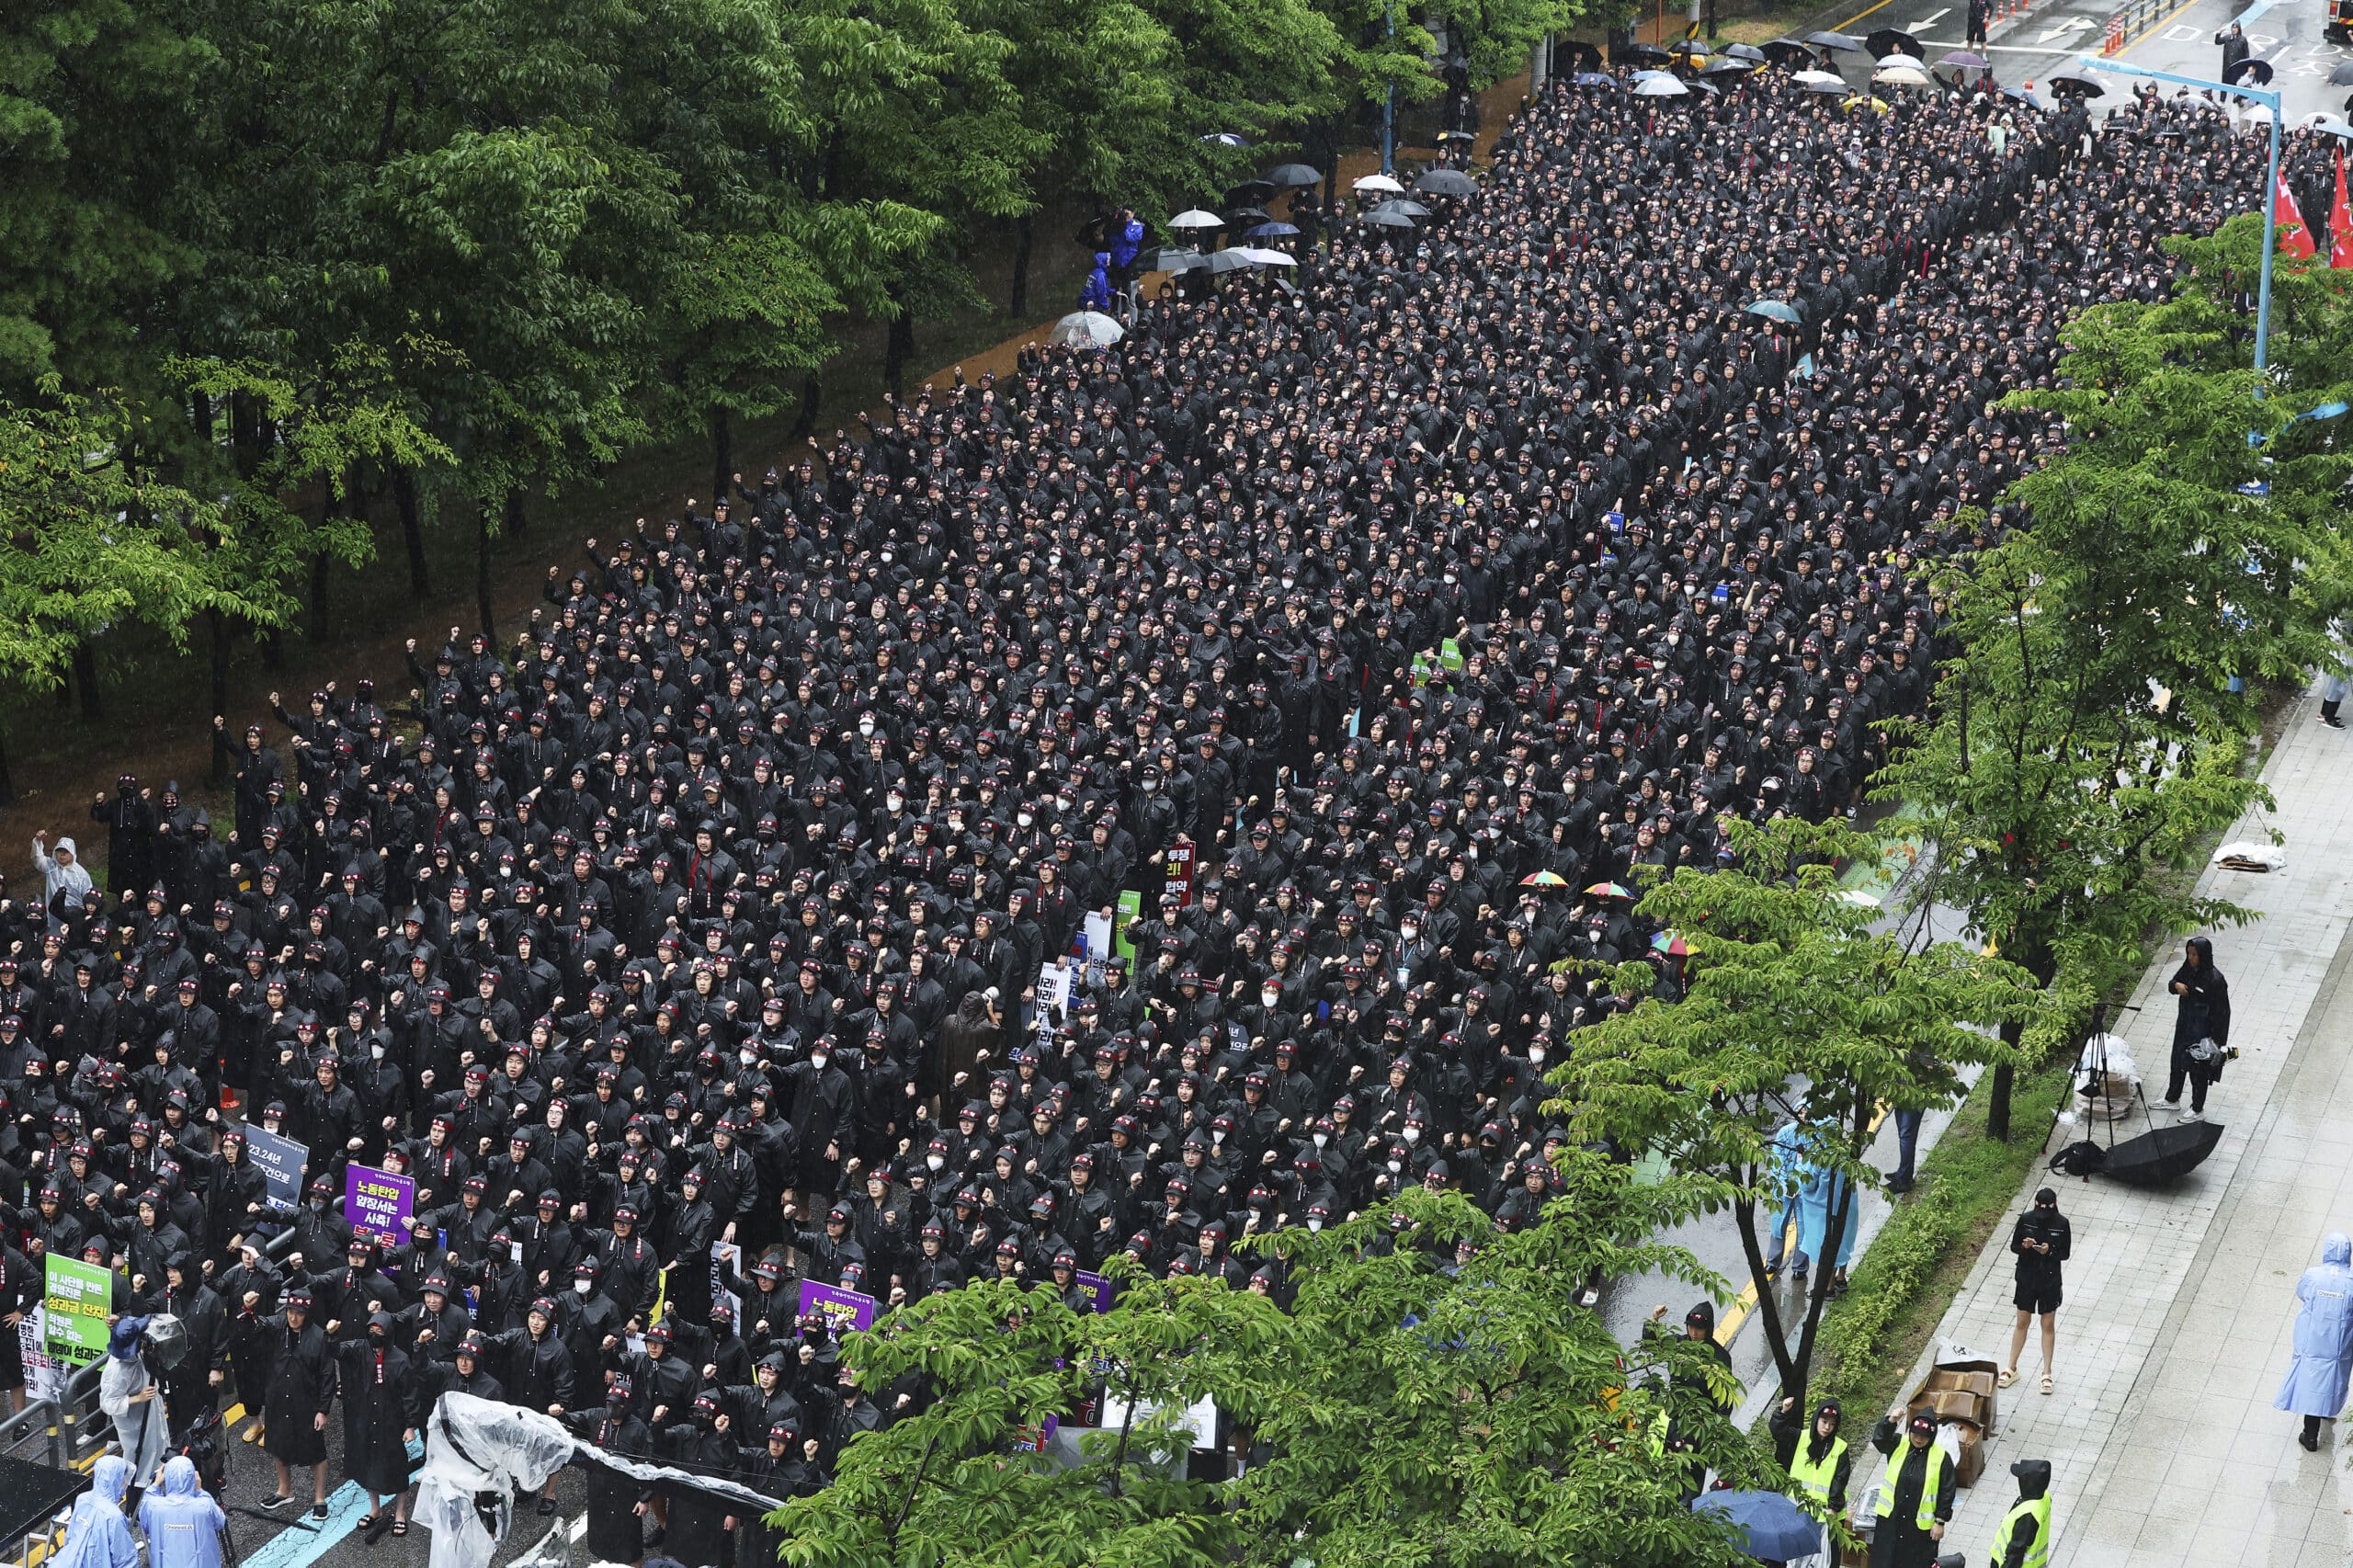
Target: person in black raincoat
(383, 1405)
(700, 1523)
(302, 1388)
(784, 1469)
(617, 1503)
(1917, 1492)
(2202, 1025)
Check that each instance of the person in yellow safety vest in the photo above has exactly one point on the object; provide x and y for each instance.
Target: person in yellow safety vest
(2024, 1539)
(1915, 1497)
(1818, 1461)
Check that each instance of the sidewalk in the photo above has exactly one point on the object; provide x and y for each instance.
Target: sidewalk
(2165, 1447)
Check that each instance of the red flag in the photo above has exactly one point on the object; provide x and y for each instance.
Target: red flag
(2340, 221)
(2295, 239)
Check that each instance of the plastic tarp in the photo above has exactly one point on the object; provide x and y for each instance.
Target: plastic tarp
(480, 1452)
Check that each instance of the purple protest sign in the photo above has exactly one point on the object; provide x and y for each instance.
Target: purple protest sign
(844, 1310)
(377, 1202)
(1098, 1286)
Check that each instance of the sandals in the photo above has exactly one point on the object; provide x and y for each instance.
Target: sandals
(367, 1521)
(2009, 1377)
(400, 1527)
(2046, 1383)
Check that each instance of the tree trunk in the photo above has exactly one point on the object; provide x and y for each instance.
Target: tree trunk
(85, 676)
(220, 696)
(514, 521)
(483, 532)
(723, 457)
(805, 424)
(900, 346)
(404, 496)
(7, 782)
(1021, 237)
(273, 650)
(318, 596)
(1768, 1308)
(1998, 1102)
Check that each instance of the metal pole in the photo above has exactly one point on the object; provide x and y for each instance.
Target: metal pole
(1388, 104)
(2270, 243)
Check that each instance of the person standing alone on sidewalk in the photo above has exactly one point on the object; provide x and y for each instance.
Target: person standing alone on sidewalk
(2314, 1387)
(2202, 1025)
(2042, 1239)
(1977, 21)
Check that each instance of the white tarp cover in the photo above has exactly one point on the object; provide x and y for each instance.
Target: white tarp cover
(480, 1452)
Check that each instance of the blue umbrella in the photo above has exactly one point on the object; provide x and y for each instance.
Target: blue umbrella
(1271, 231)
(1592, 79)
(1774, 1530)
(1776, 309)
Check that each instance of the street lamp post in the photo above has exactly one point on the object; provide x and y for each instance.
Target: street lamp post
(2270, 186)
(1388, 104)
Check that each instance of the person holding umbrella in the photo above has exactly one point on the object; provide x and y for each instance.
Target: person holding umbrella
(2315, 1386)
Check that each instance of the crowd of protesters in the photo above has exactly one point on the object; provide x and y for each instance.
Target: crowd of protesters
(721, 909)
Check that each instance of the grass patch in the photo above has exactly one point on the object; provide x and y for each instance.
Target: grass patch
(1872, 1335)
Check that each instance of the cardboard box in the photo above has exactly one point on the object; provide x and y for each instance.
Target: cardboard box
(1954, 1404)
(1959, 1371)
(1972, 1462)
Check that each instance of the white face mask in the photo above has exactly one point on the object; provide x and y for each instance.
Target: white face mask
(866, 726)
(1536, 1054)
(818, 1059)
(1409, 932)
(896, 802)
(1395, 1166)
(1322, 1139)
(1268, 999)
(1412, 1136)
(1022, 817)
(1217, 1134)
(1313, 1225)
(376, 1049)
(582, 1287)
(934, 1162)
(749, 1056)
(1150, 784)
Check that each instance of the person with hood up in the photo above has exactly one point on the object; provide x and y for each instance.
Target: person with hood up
(98, 1536)
(62, 873)
(2042, 1241)
(180, 1519)
(1817, 1458)
(1828, 1199)
(128, 1396)
(1917, 1495)
(2023, 1539)
(1787, 1181)
(2315, 1386)
(383, 1405)
(2201, 1027)
(1096, 295)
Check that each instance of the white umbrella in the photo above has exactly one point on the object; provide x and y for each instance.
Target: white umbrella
(1194, 218)
(1820, 79)
(1378, 182)
(1902, 63)
(1262, 256)
(1661, 87)
(1646, 76)
(2330, 124)
(1903, 76)
(2259, 114)
(1087, 328)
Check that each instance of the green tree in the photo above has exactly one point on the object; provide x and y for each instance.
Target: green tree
(2087, 742)
(1434, 1395)
(91, 537)
(1796, 1012)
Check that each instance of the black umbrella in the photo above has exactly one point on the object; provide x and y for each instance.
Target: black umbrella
(2240, 70)
(1581, 56)
(2342, 76)
(1789, 52)
(1095, 233)
(2064, 82)
(1749, 51)
(1727, 66)
(1447, 182)
(1641, 53)
(2164, 1155)
(1243, 216)
(1894, 40)
(1287, 176)
(1842, 42)
(1380, 217)
(1170, 258)
(1250, 193)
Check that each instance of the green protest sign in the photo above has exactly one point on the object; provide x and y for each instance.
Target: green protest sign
(78, 1298)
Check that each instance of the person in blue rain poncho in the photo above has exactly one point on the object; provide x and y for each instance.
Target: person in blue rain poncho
(2315, 1386)
(180, 1519)
(1826, 1197)
(98, 1536)
(1785, 1181)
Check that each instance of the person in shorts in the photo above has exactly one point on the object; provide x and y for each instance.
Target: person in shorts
(2040, 1241)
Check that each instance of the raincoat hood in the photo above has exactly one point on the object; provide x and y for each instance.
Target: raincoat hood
(2338, 1249)
(179, 1477)
(112, 1478)
(2034, 1477)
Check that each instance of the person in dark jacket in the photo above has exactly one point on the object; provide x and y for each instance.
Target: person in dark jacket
(2202, 1025)
(617, 1503)
(2235, 46)
(2025, 1534)
(2041, 1241)
(1915, 1496)
(383, 1405)
(301, 1374)
(539, 1370)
